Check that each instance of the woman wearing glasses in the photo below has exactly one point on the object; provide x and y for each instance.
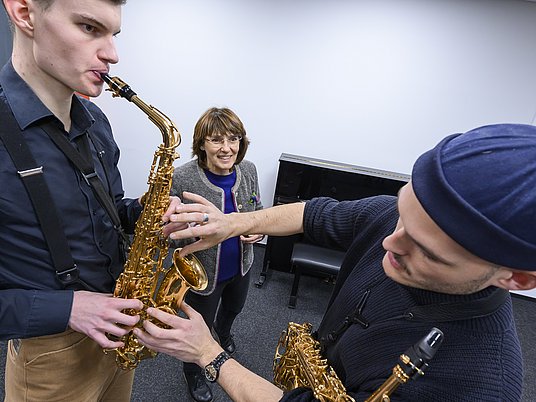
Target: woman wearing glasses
(219, 173)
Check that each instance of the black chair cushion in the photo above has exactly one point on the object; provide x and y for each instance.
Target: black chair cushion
(316, 259)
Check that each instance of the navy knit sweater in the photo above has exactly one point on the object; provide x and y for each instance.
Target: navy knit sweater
(480, 358)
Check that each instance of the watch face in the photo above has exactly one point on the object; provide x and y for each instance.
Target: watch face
(211, 373)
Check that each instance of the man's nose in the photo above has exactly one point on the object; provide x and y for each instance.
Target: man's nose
(109, 52)
(396, 242)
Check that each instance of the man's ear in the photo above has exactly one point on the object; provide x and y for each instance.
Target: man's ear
(19, 12)
(518, 280)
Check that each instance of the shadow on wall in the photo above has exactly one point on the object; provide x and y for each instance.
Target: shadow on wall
(5, 37)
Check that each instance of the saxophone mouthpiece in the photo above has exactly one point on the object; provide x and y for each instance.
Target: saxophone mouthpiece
(421, 353)
(106, 78)
(430, 343)
(118, 87)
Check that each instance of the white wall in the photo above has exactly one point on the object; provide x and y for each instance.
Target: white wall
(372, 83)
(367, 82)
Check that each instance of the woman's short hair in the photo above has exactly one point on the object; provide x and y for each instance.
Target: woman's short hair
(218, 121)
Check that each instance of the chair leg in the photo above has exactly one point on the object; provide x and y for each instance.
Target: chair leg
(294, 291)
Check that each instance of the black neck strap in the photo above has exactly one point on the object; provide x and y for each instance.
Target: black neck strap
(431, 313)
(456, 311)
(85, 166)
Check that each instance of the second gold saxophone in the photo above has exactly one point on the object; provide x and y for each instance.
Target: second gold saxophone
(298, 363)
(144, 276)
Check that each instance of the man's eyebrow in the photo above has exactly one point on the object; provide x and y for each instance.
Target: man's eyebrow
(97, 23)
(426, 250)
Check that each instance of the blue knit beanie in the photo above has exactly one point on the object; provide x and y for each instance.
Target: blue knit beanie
(480, 189)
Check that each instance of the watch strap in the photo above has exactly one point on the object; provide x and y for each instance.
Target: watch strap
(212, 370)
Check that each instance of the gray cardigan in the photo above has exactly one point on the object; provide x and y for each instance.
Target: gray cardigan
(190, 177)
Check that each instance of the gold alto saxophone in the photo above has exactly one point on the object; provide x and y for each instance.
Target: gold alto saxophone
(144, 276)
(298, 363)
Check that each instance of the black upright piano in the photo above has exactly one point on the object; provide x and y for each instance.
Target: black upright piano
(301, 178)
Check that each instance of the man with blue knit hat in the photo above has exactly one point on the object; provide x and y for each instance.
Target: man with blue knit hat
(443, 254)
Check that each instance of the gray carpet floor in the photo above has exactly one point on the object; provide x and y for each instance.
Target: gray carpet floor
(258, 328)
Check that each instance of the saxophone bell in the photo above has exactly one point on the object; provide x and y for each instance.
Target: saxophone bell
(185, 273)
(191, 270)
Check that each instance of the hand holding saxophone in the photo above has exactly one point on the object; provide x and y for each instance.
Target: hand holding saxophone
(187, 339)
(98, 314)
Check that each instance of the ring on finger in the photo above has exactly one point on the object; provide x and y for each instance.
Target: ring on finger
(205, 218)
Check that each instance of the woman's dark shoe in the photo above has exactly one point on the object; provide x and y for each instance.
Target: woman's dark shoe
(226, 341)
(198, 387)
(228, 345)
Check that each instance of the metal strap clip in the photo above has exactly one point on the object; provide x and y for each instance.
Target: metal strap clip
(89, 176)
(69, 276)
(30, 172)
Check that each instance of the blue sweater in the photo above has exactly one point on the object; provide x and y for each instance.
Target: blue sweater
(479, 360)
(229, 261)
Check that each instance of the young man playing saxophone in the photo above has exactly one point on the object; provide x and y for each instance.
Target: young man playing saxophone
(443, 254)
(57, 321)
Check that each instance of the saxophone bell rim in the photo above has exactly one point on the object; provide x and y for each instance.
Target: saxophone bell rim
(191, 263)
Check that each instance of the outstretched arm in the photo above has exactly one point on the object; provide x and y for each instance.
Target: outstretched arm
(204, 221)
(190, 340)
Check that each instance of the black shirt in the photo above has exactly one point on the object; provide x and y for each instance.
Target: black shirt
(32, 300)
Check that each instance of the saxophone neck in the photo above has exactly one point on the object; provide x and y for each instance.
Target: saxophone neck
(169, 130)
(120, 88)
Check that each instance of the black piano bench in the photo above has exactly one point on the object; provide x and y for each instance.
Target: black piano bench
(312, 259)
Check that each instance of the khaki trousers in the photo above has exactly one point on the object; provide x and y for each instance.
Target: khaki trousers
(63, 367)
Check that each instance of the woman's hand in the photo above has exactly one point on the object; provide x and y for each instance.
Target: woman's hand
(250, 239)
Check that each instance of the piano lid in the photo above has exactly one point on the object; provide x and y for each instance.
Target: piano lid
(343, 167)
(303, 178)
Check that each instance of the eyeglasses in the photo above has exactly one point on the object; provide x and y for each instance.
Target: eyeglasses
(220, 140)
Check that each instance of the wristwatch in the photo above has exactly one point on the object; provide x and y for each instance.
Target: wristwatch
(212, 370)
